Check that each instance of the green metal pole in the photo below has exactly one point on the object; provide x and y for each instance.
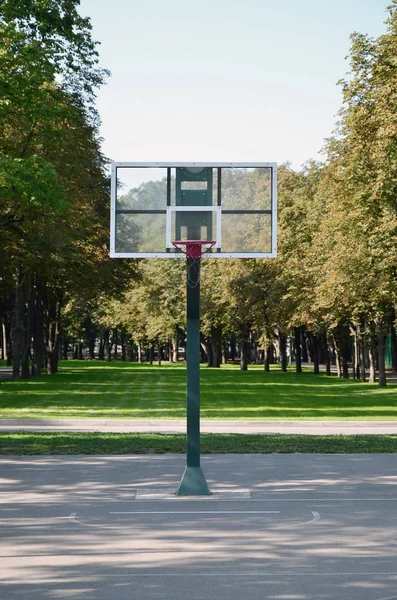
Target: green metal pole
(193, 364)
(193, 482)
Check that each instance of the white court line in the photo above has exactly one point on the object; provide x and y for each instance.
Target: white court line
(196, 512)
(335, 499)
(316, 517)
(273, 496)
(250, 574)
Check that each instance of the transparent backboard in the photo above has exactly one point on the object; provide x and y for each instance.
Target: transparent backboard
(156, 204)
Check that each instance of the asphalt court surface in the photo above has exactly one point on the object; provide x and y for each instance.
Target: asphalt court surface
(276, 527)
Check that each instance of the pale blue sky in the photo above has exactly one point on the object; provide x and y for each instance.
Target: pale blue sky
(224, 80)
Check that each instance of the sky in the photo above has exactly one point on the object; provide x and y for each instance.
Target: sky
(224, 80)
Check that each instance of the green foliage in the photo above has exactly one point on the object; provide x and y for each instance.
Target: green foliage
(32, 182)
(153, 307)
(59, 38)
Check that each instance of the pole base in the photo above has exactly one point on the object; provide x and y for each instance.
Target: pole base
(193, 483)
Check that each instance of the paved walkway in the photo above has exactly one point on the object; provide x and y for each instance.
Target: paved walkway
(207, 426)
(5, 372)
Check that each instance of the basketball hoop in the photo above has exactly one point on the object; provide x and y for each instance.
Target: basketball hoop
(194, 248)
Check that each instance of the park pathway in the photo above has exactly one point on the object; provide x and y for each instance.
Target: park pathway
(207, 426)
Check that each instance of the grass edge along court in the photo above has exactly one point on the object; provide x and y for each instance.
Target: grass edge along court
(24, 443)
(117, 390)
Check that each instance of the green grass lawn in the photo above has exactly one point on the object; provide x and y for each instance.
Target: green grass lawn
(32, 443)
(85, 389)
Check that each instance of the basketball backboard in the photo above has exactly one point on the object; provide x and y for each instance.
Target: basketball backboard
(154, 205)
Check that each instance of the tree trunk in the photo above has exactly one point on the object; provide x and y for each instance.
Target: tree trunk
(243, 354)
(92, 343)
(224, 352)
(316, 366)
(216, 345)
(151, 349)
(337, 356)
(393, 339)
(53, 330)
(313, 347)
(18, 324)
(130, 351)
(381, 355)
(216, 354)
(4, 339)
(362, 352)
(268, 357)
(115, 343)
(298, 349)
(233, 348)
(159, 351)
(345, 354)
(101, 349)
(305, 356)
(321, 350)
(38, 331)
(175, 349)
(252, 348)
(341, 339)
(327, 354)
(140, 360)
(205, 350)
(26, 351)
(356, 358)
(208, 351)
(106, 345)
(283, 351)
(372, 359)
(123, 347)
(7, 344)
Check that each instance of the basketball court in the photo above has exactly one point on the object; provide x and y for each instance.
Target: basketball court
(279, 527)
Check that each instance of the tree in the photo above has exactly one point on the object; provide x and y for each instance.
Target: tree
(47, 77)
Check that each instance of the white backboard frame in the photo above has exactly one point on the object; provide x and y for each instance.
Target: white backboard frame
(149, 165)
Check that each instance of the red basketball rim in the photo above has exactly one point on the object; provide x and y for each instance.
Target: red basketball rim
(194, 248)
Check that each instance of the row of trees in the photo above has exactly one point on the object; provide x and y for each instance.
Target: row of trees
(53, 184)
(334, 280)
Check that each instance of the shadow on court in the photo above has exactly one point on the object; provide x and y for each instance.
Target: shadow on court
(276, 527)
